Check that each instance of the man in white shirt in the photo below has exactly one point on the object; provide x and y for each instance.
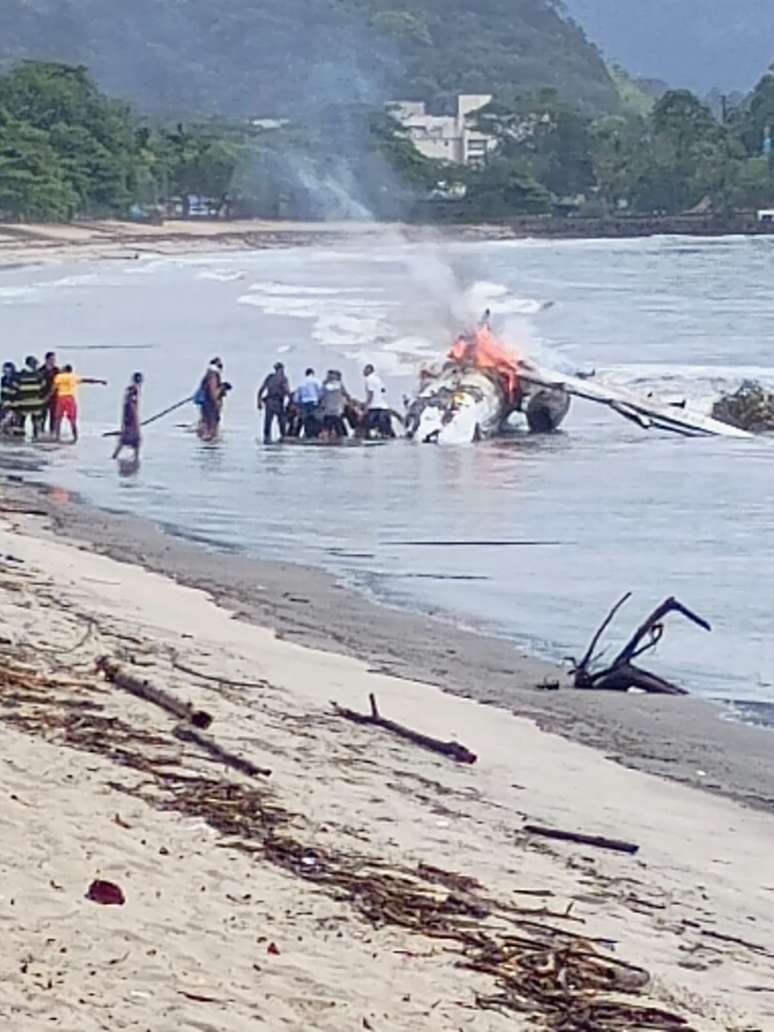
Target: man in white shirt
(378, 413)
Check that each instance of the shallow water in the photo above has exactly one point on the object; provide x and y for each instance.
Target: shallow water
(604, 506)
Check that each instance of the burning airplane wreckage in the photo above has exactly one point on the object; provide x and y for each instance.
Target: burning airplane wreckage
(483, 391)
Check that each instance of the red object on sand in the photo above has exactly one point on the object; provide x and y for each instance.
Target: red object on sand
(106, 893)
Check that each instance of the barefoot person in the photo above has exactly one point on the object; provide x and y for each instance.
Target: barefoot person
(31, 397)
(49, 371)
(209, 398)
(130, 418)
(272, 396)
(378, 412)
(66, 386)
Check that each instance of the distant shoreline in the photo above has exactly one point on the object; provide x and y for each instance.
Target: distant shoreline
(22, 244)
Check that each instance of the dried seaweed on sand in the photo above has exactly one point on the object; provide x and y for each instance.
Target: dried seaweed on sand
(558, 979)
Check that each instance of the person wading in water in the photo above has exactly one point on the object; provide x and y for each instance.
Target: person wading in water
(209, 398)
(378, 413)
(66, 386)
(49, 371)
(333, 403)
(272, 395)
(130, 418)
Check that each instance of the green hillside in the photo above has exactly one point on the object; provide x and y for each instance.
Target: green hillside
(259, 57)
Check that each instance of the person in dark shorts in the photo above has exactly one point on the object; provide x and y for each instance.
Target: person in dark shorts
(130, 418)
(272, 395)
(49, 371)
(31, 397)
(209, 398)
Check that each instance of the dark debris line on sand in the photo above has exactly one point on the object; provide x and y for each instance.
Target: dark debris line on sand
(559, 978)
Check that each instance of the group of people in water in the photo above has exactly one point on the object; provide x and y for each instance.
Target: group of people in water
(317, 409)
(39, 398)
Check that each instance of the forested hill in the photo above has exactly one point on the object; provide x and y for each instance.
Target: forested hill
(697, 44)
(264, 57)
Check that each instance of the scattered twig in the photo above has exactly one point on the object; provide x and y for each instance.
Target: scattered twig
(598, 841)
(23, 511)
(217, 678)
(149, 693)
(229, 759)
(732, 939)
(452, 749)
(72, 648)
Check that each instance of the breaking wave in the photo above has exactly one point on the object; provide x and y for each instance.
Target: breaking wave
(366, 323)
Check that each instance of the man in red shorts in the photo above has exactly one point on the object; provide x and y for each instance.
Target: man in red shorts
(66, 386)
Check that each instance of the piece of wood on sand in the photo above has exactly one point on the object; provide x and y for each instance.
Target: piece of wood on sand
(228, 759)
(597, 841)
(622, 674)
(143, 689)
(453, 750)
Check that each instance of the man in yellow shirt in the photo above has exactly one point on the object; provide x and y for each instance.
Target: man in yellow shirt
(66, 386)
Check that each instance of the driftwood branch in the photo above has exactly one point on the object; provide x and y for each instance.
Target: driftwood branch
(622, 674)
(591, 650)
(229, 759)
(598, 841)
(649, 625)
(452, 749)
(150, 693)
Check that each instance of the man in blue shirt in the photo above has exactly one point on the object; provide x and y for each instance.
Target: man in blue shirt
(307, 397)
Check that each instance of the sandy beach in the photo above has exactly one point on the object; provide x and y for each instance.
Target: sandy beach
(30, 243)
(688, 740)
(366, 883)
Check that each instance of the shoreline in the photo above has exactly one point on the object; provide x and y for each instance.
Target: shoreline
(24, 244)
(684, 739)
(362, 883)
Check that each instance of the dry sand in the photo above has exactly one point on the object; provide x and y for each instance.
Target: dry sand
(216, 938)
(110, 239)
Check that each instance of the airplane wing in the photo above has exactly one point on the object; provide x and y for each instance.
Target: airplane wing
(646, 412)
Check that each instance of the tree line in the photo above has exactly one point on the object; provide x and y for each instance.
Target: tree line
(67, 151)
(676, 157)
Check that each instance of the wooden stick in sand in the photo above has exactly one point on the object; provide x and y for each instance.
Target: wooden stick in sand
(598, 841)
(150, 693)
(454, 750)
(229, 759)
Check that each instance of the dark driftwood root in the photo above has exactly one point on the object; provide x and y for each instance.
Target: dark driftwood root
(622, 674)
(454, 750)
(598, 841)
(229, 759)
(150, 693)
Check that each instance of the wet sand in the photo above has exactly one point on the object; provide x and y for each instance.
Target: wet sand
(364, 884)
(685, 739)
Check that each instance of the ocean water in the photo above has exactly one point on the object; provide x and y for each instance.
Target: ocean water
(532, 539)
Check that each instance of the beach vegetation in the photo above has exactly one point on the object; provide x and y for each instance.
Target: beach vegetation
(69, 151)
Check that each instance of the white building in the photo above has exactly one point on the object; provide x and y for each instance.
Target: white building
(451, 138)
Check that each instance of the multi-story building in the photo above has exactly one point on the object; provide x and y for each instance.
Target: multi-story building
(454, 138)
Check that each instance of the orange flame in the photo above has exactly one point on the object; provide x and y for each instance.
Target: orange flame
(482, 350)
